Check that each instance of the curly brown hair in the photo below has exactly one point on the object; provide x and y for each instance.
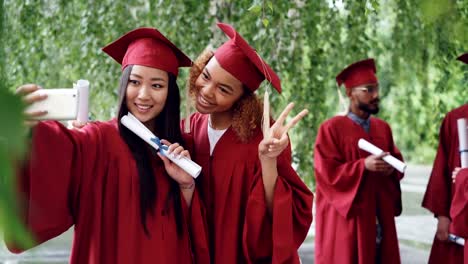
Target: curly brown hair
(247, 111)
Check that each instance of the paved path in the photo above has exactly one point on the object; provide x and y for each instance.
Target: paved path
(416, 223)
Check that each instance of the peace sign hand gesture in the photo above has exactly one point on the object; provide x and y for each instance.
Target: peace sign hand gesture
(275, 138)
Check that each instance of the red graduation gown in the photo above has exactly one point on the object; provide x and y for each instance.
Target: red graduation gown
(439, 190)
(240, 228)
(88, 178)
(459, 210)
(348, 197)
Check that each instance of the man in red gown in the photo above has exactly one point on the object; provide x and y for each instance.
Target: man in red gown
(439, 191)
(358, 194)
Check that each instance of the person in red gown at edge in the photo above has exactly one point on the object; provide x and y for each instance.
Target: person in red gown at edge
(258, 208)
(358, 194)
(459, 208)
(440, 189)
(127, 203)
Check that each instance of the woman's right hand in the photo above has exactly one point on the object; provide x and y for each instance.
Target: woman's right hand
(25, 92)
(175, 172)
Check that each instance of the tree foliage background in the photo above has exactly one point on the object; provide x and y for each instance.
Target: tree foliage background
(415, 43)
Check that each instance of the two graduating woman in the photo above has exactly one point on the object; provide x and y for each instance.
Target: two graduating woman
(258, 210)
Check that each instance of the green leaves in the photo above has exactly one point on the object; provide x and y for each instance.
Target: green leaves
(11, 148)
(11, 116)
(256, 8)
(9, 222)
(433, 10)
(270, 5)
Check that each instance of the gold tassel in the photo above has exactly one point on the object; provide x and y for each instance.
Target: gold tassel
(266, 115)
(343, 104)
(187, 108)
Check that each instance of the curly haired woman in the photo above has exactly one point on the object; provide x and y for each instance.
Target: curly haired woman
(258, 209)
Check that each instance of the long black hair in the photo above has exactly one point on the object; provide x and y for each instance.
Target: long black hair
(167, 126)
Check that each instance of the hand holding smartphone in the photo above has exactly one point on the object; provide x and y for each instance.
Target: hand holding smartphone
(60, 104)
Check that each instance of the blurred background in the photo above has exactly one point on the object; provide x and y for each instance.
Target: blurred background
(308, 42)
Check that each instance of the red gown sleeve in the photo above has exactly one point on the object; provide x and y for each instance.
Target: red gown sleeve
(196, 213)
(278, 236)
(459, 209)
(48, 182)
(395, 152)
(338, 178)
(396, 177)
(438, 193)
(195, 218)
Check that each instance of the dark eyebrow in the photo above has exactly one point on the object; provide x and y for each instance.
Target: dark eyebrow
(207, 73)
(136, 75)
(153, 79)
(228, 87)
(158, 79)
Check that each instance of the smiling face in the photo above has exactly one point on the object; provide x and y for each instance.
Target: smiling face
(146, 92)
(217, 89)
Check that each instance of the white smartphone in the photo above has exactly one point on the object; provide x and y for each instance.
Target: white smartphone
(60, 104)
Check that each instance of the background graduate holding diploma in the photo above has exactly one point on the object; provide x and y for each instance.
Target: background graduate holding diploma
(358, 194)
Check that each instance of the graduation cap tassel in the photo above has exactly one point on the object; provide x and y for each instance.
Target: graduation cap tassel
(343, 103)
(187, 109)
(266, 115)
(266, 103)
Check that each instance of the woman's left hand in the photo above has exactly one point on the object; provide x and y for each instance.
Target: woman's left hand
(75, 124)
(455, 173)
(175, 172)
(270, 147)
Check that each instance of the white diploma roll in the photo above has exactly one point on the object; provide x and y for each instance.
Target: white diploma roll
(371, 148)
(134, 125)
(463, 142)
(456, 239)
(83, 100)
(141, 131)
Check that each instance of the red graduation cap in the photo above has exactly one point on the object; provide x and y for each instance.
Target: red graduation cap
(358, 73)
(238, 58)
(464, 58)
(147, 47)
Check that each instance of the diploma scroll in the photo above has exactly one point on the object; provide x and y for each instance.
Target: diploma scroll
(463, 142)
(371, 148)
(83, 100)
(456, 239)
(134, 125)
